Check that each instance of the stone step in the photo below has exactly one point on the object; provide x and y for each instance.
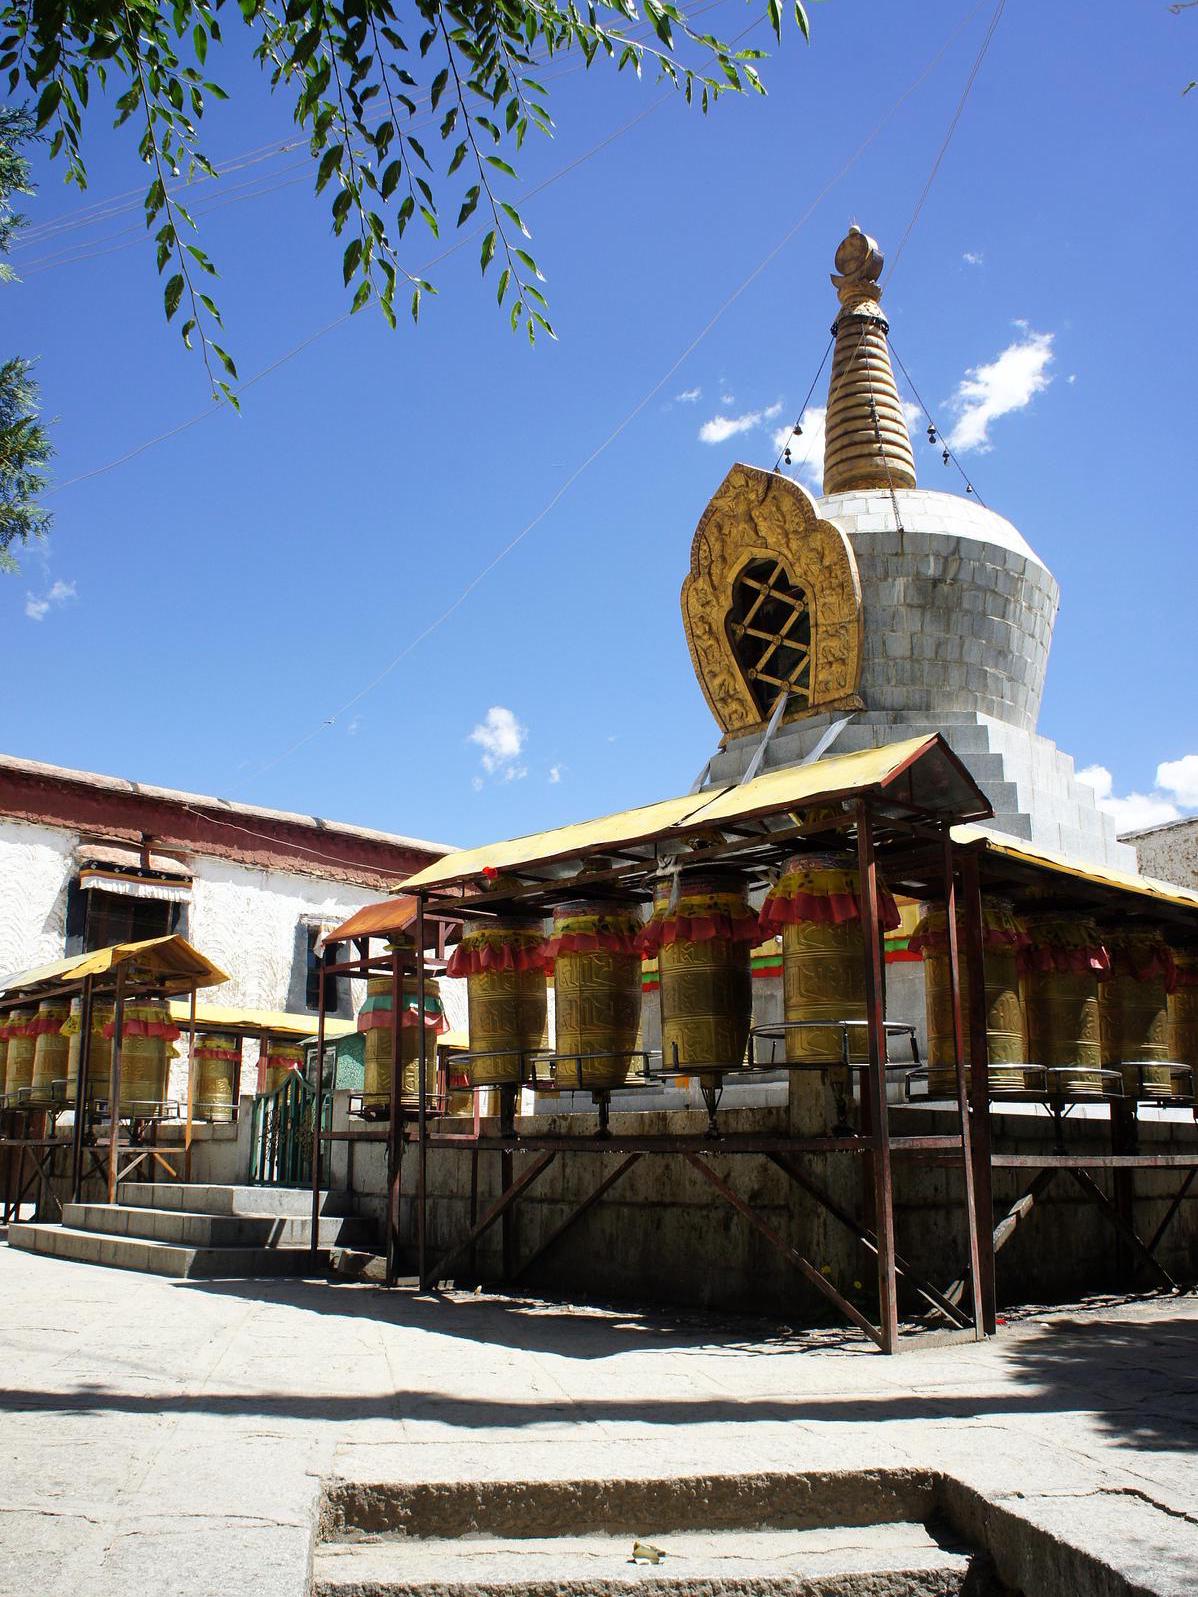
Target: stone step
(162, 1258)
(191, 1230)
(900, 1560)
(198, 1198)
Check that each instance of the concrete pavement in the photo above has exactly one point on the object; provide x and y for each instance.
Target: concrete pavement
(174, 1436)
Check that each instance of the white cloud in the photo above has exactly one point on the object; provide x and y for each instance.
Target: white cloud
(501, 737)
(727, 399)
(1134, 811)
(972, 257)
(720, 428)
(807, 451)
(477, 783)
(36, 608)
(351, 730)
(1008, 383)
(555, 773)
(1180, 777)
(688, 396)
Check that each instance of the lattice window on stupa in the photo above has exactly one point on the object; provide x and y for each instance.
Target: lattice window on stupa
(769, 627)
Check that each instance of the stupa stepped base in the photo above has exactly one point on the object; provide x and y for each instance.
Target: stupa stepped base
(1032, 785)
(197, 1232)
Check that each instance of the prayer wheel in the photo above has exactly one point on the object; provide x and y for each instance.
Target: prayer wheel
(376, 1020)
(3, 1056)
(1006, 1028)
(597, 987)
(50, 1048)
(1134, 1011)
(503, 963)
(147, 1032)
(216, 1062)
(276, 1059)
(701, 933)
(816, 907)
(21, 1044)
(1183, 1011)
(99, 1067)
(1063, 961)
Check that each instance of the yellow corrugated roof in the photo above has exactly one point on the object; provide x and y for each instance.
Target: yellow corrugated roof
(1099, 875)
(172, 960)
(278, 1022)
(941, 780)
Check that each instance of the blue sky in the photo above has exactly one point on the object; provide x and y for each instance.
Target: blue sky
(205, 607)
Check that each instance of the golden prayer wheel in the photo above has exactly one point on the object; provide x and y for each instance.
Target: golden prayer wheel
(99, 1066)
(21, 1044)
(1134, 1012)
(597, 989)
(1183, 1010)
(276, 1059)
(503, 963)
(702, 933)
(376, 1020)
(50, 1048)
(147, 1032)
(816, 907)
(216, 1061)
(1006, 1027)
(1062, 965)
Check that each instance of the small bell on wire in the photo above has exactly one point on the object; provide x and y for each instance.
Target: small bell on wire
(931, 433)
(798, 432)
(968, 487)
(945, 457)
(786, 454)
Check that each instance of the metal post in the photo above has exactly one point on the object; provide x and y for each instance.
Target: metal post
(114, 1083)
(883, 1185)
(422, 1107)
(394, 1121)
(977, 1001)
(317, 1119)
(979, 1087)
(81, 1099)
(191, 1077)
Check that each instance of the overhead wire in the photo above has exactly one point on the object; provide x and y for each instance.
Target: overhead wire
(600, 449)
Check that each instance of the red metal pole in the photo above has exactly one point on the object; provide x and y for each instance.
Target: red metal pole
(875, 1082)
(394, 1121)
(422, 1106)
(317, 1117)
(979, 1086)
(977, 1003)
(114, 1083)
(81, 1096)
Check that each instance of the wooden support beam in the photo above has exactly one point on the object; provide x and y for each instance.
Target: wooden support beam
(866, 1237)
(1091, 1188)
(792, 1255)
(496, 1212)
(576, 1214)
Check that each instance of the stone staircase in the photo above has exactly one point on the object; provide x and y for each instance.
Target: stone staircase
(195, 1231)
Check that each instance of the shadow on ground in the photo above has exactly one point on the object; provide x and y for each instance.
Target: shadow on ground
(1140, 1378)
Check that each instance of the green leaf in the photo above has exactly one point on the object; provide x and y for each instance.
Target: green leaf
(500, 165)
(513, 214)
(801, 19)
(774, 8)
(361, 296)
(468, 204)
(526, 258)
(329, 162)
(459, 155)
(405, 213)
(200, 40)
(391, 177)
(226, 360)
(431, 220)
(438, 88)
(504, 278)
(172, 294)
(349, 261)
(48, 101)
(488, 250)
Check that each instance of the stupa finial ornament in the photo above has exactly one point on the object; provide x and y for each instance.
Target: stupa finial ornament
(866, 444)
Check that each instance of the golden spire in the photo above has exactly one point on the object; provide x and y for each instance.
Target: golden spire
(866, 443)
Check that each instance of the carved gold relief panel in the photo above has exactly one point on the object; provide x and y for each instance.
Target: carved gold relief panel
(772, 604)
